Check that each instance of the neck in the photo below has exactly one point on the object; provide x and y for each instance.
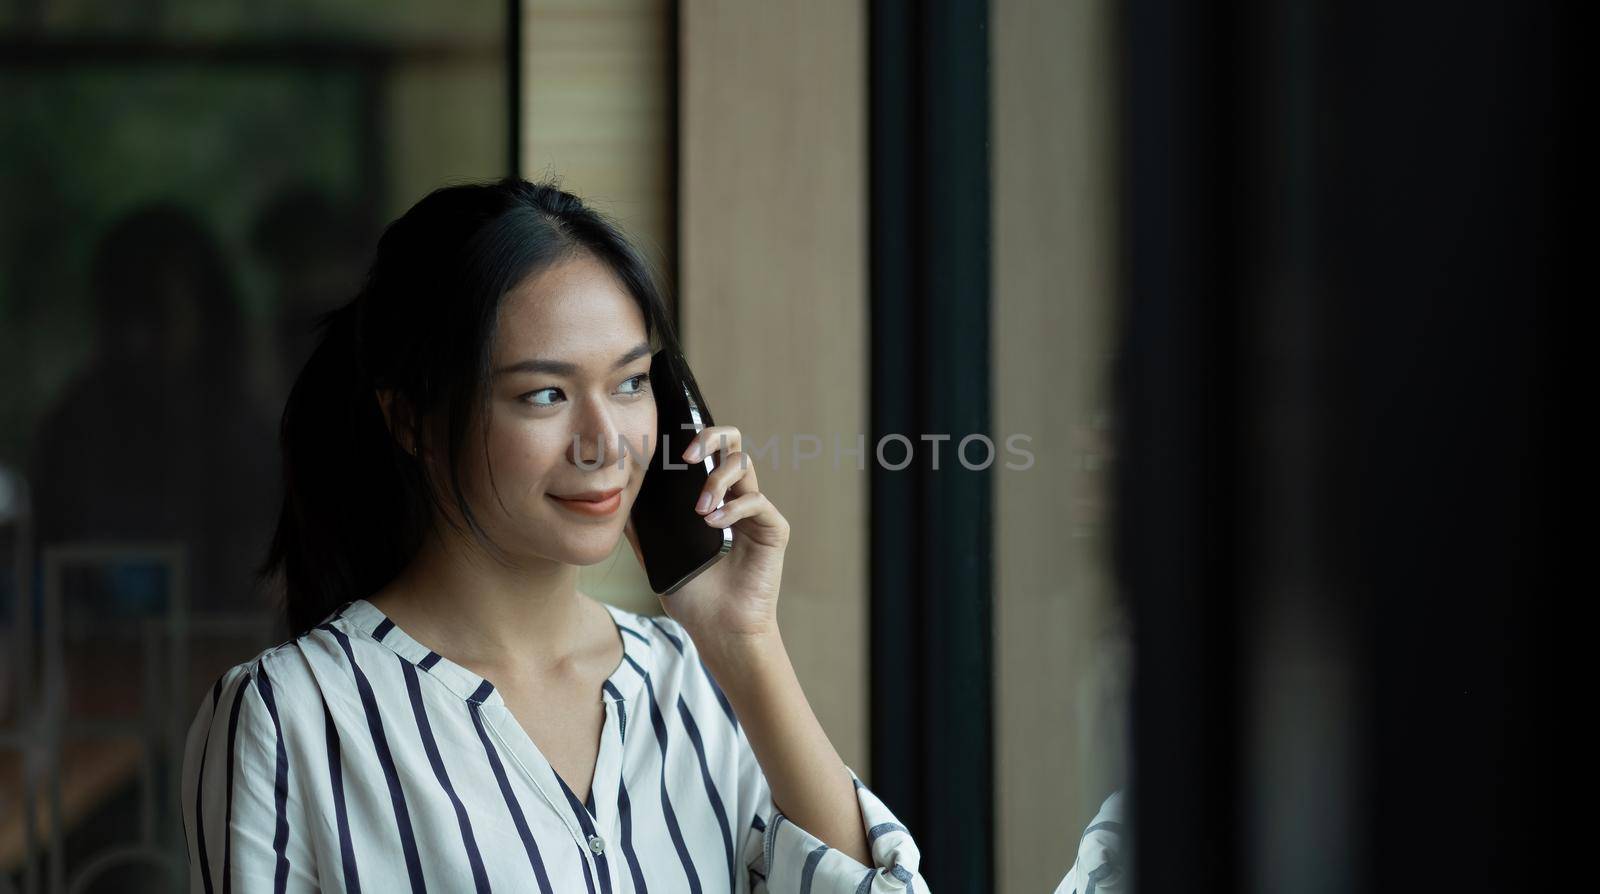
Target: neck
(483, 614)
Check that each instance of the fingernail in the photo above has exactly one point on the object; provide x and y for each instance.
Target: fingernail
(715, 516)
(693, 453)
(705, 502)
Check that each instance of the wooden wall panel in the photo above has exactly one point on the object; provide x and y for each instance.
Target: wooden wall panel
(774, 229)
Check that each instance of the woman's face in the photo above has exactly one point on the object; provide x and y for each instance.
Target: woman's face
(569, 378)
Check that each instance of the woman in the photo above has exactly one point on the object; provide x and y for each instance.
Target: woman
(452, 455)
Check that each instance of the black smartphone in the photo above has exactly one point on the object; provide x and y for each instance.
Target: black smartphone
(674, 540)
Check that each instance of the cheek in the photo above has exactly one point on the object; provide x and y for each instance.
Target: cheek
(642, 437)
(523, 455)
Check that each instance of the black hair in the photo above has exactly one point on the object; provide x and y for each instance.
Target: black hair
(356, 505)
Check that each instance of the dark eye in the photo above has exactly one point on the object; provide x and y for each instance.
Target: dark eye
(643, 383)
(539, 403)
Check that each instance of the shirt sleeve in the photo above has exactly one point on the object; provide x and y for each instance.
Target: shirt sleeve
(783, 858)
(238, 804)
(1099, 865)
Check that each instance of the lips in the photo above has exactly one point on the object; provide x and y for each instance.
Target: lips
(590, 496)
(591, 502)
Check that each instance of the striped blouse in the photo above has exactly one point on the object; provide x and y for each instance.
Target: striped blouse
(353, 757)
(1101, 861)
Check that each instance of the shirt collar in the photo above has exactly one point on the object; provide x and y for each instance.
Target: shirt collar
(362, 618)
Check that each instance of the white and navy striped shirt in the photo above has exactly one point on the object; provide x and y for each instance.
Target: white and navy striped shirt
(353, 757)
(1100, 867)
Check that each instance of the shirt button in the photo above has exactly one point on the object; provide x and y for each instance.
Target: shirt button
(597, 844)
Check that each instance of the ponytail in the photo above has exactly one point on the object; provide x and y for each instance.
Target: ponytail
(345, 528)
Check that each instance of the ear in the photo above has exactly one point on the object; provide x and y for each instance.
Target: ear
(401, 421)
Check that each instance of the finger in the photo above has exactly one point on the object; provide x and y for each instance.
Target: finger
(755, 507)
(743, 478)
(734, 476)
(721, 439)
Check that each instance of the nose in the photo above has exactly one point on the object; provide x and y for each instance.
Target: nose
(594, 437)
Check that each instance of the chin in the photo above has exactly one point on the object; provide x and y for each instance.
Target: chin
(590, 552)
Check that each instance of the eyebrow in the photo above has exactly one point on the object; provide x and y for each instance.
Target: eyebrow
(563, 368)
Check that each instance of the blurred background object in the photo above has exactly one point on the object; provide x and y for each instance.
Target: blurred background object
(1337, 378)
(183, 186)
